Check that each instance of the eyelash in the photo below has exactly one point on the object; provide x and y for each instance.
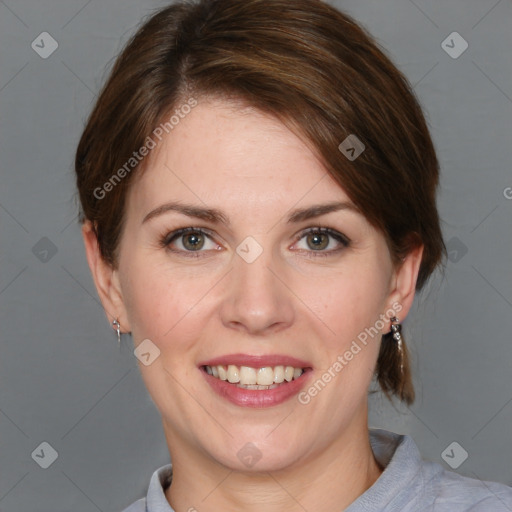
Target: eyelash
(166, 240)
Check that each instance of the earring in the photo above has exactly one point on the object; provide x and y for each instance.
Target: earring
(396, 329)
(117, 327)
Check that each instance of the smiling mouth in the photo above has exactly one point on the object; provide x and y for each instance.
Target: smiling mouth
(246, 377)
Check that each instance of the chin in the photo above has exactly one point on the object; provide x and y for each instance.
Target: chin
(257, 453)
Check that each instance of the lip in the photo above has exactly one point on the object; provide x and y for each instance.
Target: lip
(255, 361)
(252, 397)
(257, 398)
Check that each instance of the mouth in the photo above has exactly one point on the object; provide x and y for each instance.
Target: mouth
(262, 378)
(256, 381)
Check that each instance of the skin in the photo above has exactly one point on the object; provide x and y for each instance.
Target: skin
(290, 300)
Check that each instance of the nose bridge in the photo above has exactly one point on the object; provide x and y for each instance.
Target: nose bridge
(253, 280)
(255, 298)
(251, 268)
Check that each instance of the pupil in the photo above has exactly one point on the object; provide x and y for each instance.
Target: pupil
(319, 241)
(193, 241)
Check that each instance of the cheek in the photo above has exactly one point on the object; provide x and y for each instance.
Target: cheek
(162, 303)
(347, 303)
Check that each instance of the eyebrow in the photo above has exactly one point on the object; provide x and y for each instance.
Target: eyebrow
(216, 216)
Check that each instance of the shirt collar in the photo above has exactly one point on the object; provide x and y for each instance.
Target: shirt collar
(397, 453)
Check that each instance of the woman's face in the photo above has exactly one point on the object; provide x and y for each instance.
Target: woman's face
(266, 277)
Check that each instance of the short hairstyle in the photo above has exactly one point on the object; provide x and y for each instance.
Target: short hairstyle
(309, 65)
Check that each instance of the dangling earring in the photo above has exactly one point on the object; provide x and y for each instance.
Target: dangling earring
(396, 329)
(117, 327)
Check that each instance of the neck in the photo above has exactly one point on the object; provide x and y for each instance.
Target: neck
(331, 480)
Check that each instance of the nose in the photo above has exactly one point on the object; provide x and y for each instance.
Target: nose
(257, 300)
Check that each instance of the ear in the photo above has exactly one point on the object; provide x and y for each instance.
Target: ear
(403, 284)
(106, 280)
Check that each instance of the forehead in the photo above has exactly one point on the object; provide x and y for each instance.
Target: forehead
(233, 157)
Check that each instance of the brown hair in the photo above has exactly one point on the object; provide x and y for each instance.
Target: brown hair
(309, 65)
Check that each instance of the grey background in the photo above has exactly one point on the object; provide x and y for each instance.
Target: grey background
(63, 379)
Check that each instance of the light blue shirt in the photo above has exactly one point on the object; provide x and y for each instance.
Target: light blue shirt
(407, 484)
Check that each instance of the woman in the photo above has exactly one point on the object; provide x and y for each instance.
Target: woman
(258, 185)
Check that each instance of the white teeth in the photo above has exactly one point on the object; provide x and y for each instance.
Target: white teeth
(279, 374)
(223, 374)
(253, 386)
(266, 377)
(247, 375)
(233, 374)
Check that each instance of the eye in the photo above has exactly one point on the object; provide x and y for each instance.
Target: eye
(189, 240)
(323, 241)
(192, 241)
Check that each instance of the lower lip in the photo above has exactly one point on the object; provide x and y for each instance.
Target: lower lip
(256, 397)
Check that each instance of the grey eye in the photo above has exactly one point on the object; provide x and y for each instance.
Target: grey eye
(317, 241)
(193, 241)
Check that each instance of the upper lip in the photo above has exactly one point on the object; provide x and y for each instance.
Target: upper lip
(255, 361)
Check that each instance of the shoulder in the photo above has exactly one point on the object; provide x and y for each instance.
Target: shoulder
(155, 500)
(410, 483)
(456, 493)
(138, 506)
